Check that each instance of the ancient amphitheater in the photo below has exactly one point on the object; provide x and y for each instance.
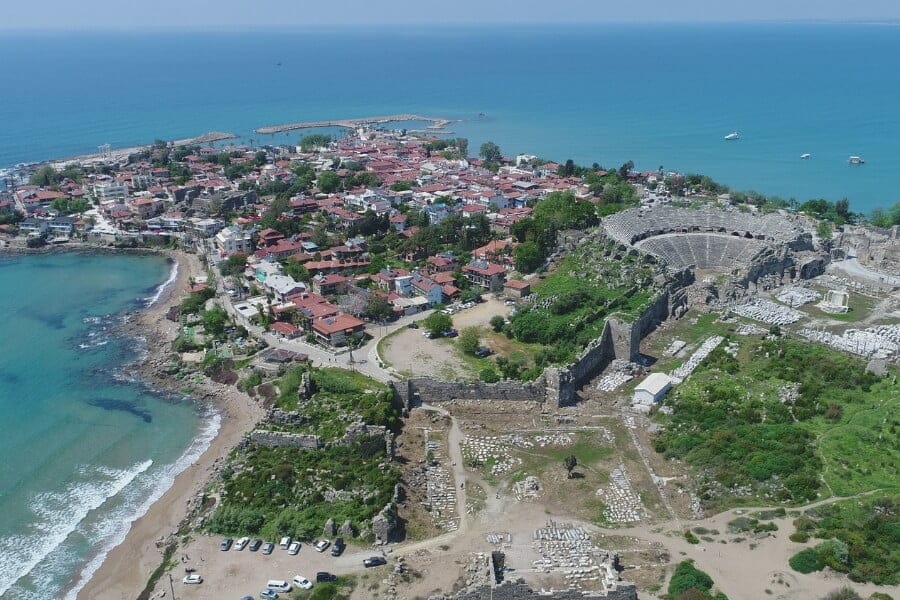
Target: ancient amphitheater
(747, 246)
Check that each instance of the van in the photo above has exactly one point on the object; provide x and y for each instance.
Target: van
(278, 585)
(285, 542)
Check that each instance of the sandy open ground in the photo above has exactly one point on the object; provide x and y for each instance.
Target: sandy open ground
(126, 569)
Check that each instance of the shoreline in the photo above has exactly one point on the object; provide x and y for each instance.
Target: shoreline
(125, 568)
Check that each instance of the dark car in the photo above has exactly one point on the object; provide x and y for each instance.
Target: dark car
(338, 548)
(255, 544)
(413, 325)
(450, 333)
(482, 352)
(374, 561)
(268, 548)
(325, 577)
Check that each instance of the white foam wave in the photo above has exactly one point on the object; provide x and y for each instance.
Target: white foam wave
(114, 529)
(57, 516)
(173, 275)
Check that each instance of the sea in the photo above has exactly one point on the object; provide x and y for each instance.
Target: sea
(86, 449)
(662, 95)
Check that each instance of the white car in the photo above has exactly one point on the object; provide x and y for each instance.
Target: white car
(192, 578)
(294, 548)
(322, 545)
(302, 582)
(241, 543)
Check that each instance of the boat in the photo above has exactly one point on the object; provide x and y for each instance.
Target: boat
(734, 135)
(856, 160)
(805, 155)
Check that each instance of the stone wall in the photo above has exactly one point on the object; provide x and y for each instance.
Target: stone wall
(428, 390)
(277, 439)
(519, 590)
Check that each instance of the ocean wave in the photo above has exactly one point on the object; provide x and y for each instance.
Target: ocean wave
(113, 530)
(173, 275)
(57, 515)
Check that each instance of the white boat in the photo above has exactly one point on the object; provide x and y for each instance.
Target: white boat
(856, 160)
(734, 135)
(805, 155)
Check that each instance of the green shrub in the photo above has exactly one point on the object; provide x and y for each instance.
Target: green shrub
(690, 537)
(687, 577)
(806, 561)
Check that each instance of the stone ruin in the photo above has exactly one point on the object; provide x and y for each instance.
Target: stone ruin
(877, 342)
(768, 312)
(835, 302)
(622, 504)
(877, 249)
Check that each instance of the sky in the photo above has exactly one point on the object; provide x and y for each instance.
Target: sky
(234, 14)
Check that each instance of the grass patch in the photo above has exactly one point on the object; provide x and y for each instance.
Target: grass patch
(730, 422)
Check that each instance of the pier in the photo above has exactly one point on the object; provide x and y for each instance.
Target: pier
(437, 123)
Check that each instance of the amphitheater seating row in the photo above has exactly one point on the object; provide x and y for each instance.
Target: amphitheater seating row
(703, 250)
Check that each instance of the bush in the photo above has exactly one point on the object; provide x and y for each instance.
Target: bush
(690, 537)
(687, 577)
(806, 561)
(497, 323)
(489, 375)
(844, 593)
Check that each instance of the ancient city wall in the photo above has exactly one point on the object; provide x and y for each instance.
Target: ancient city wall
(427, 390)
(519, 590)
(279, 439)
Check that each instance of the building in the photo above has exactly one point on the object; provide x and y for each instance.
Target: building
(650, 391)
(111, 191)
(334, 331)
(516, 288)
(234, 240)
(485, 274)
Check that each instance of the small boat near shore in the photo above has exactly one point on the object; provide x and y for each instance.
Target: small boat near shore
(856, 160)
(805, 156)
(734, 135)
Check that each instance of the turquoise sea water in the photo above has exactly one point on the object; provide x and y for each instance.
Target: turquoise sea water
(656, 94)
(84, 450)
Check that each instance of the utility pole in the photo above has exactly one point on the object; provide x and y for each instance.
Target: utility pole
(172, 586)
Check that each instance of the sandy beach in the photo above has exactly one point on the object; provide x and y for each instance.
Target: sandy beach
(125, 570)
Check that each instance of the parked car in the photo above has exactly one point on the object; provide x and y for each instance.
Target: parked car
(278, 585)
(338, 548)
(268, 547)
(268, 594)
(255, 544)
(225, 545)
(450, 333)
(192, 579)
(302, 582)
(241, 543)
(321, 545)
(294, 548)
(248, 598)
(482, 352)
(374, 561)
(285, 542)
(413, 325)
(325, 577)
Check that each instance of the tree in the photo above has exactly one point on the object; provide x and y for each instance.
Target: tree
(469, 340)
(462, 144)
(295, 270)
(378, 307)
(570, 463)
(233, 265)
(437, 322)
(328, 182)
(260, 158)
(214, 320)
(44, 177)
(497, 323)
(490, 152)
(489, 375)
(528, 257)
(625, 169)
(308, 143)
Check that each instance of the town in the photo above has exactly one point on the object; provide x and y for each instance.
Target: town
(508, 377)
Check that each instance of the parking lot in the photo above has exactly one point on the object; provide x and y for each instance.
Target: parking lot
(234, 574)
(410, 351)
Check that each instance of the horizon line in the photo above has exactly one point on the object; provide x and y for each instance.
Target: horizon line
(431, 25)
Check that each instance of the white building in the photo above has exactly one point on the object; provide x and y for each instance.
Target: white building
(234, 240)
(111, 191)
(650, 391)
